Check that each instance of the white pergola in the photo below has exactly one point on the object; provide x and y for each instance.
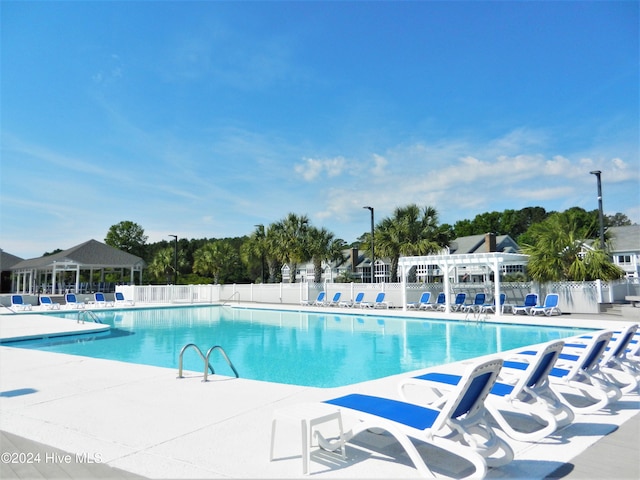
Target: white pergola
(491, 261)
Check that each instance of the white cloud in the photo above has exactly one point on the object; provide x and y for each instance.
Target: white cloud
(312, 168)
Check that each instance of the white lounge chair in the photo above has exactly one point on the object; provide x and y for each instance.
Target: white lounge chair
(614, 365)
(457, 426)
(491, 307)
(530, 301)
(353, 303)
(72, 302)
(379, 302)
(18, 303)
(48, 304)
(120, 300)
(524, 392)
(474, 307)
(440, 301)
(549, 308)
(318, 301)
(335, 301)
(578, 375)
(424, 300)
(457, 304)
(101, 301)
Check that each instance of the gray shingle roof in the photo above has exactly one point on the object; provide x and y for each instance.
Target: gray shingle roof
(88, 254)
(624, 239)
(7, 260)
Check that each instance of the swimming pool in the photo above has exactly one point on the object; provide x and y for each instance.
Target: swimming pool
(299, 348)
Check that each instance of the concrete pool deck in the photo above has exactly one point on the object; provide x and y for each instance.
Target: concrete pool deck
(141, 419)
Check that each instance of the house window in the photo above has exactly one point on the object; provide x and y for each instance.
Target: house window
(624, 259)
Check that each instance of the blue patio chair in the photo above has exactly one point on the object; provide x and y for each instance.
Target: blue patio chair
(440, 301)
(458, 426)
(101, 301)
(49, 304)
(530, 301)
(72, 302)
(335, 301)
(522, 392)
(491, 307)
(457, 304)
(424, 300)
(356, 302)
(18, 303)
(549, 308)
(120, 300)
(478, 301)
(579, 375)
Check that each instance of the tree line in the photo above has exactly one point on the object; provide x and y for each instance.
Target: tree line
(554, 241)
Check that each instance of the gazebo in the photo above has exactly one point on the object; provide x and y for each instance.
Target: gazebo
(489, 261)
(48, 273)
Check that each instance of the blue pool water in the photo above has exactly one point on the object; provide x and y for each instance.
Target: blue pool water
(299, 348)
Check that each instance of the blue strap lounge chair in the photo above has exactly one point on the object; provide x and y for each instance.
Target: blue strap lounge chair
(491, 307)
(524, 391)
(101, 301)
(614, 366)
(380, 301)
(120, 300)
(353, 303)
(335, 301)
(549, 308)
(457, 426)
(72, 302)
(474, 307)
(318, 301)
(424, 300)
(48, 304)
(530, 301)
(579, 375)
(18, 303)
(457, 304)
(440, 301)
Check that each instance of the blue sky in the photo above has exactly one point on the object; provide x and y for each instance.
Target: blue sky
(203, 119)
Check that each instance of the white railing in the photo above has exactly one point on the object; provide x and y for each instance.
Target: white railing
(575, 297)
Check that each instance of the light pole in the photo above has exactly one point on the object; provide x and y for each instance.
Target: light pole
(262, 236)
(597, 173)
(175, 259)
(373, 255)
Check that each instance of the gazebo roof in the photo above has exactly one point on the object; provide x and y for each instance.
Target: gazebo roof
(90, 254)
(465, 259)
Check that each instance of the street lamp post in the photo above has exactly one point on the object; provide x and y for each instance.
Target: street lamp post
(597, 173)
(262, 235)
(373, 255)
(175, 259)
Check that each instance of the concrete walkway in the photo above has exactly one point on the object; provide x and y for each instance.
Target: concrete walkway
(117, 419)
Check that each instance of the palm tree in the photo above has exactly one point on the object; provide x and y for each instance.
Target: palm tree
(558, 251)
(256, 247)
(217, 259)
(322, 246)
(287, 240)
(410, 231)
(162, 265)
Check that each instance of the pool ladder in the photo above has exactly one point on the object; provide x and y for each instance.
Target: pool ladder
(82, 314)
(205, 359)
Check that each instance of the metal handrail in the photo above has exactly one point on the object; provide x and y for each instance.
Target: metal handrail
(224, 302)
(224, 354)
(92, 316)
(205, 360)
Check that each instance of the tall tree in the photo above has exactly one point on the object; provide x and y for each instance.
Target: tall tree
(287, 242)
(127, 236)
(323, 246)
(217, 259)
(410, 231)
(559, 251)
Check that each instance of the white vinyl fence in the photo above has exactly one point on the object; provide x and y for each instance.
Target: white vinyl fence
(575, 297)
